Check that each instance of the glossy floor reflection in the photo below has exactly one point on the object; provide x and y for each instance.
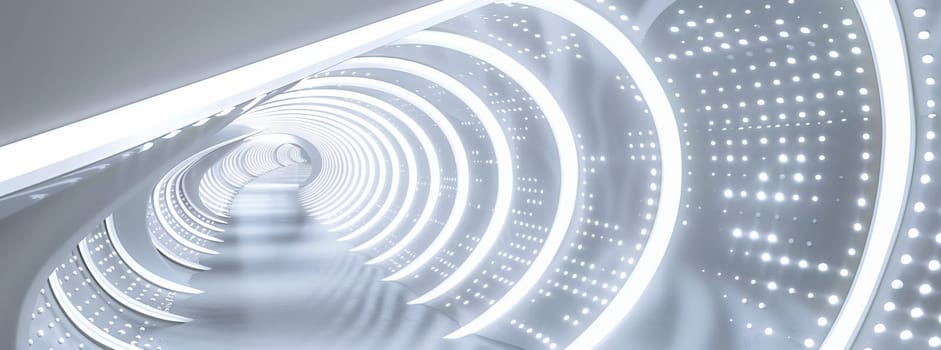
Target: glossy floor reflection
(278, 283)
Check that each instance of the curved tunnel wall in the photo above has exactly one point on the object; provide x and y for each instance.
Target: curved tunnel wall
(566, 174)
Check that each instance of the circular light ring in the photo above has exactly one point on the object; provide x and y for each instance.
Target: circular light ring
(344, 155)
(170, 187)
(434, 175)
(168, 227)
(323, 209)
(370, 140)
(457, 150)
(671, 163)
(138, 268)
(395, 181)
(211, 194)
(361, 144)
(396, 178)
(167, 183)
(171, 206)
(504, 183)
(394, 160)
(198, 216)
(300, 104)
(360, 109)
(172, 194)
(332, 172)
(411, 171)
(383, 154)
(357, 195)
(884, 30)
(326, 137)
(568, 163)
(409, 152)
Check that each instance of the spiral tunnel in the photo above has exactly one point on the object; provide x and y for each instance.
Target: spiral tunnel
(522, 174)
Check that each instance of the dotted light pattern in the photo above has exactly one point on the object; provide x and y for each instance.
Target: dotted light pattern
(535, 189)
(101, 309)
(763, 98)
(906, 313)
(615, 141)
(96, 299)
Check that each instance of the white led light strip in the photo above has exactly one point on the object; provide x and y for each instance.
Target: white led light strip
(568, 164)
(369, 115)
(315, 118)
(430, 155)
(454, 141)
(633, 61)
(135, 266)
(386, 160)
(299, 108)
(884, 29)
(118, 295)
(504, 170)
(84, 325)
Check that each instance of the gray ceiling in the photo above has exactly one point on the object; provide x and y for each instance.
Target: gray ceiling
(61, 62)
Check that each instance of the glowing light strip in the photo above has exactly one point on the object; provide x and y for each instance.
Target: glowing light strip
(308, 103)
(504, 183)
(169, 229)
(333, 168)
(211, 193)
(176, 258)
(313, 192)
(379, 167)
(40, 157)
(176, 216)
(119, 296)
(353, 126)
(178, 191)
(434, 173)
(431, 157)
(395, 173)
(568, 163)
(363, 143)
(84, 325)
(330, 197)
(884, 29)
(139, 269)
(217, 189)
(457, 151)
(408, 152)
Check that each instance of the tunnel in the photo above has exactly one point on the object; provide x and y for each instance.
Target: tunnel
(470, 174)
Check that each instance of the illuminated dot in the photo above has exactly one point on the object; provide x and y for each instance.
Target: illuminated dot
(897, 284)
(888, 307)
(924, 288)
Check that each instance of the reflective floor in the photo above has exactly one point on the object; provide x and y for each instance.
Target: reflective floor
(280, 284)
